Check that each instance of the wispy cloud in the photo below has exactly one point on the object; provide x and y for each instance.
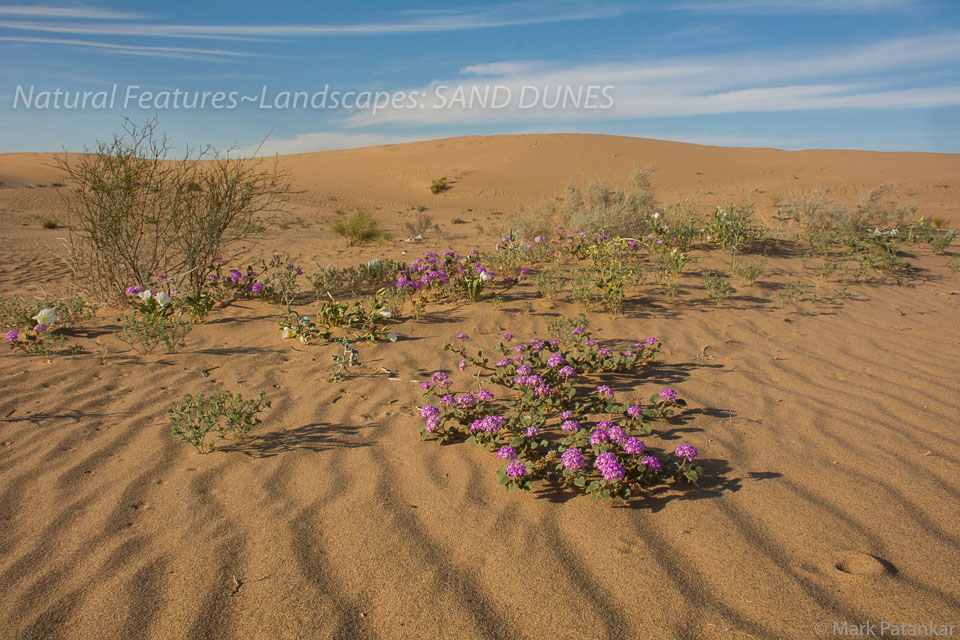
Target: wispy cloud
(186, 53)
(76, 13)
(483, 17)
(796, 6)
(881, 75)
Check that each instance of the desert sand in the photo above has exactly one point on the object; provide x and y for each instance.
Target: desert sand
(828, 432)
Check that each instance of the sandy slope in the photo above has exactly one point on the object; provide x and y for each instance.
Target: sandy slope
(829, 433)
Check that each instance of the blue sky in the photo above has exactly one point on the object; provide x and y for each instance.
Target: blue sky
(863, 74)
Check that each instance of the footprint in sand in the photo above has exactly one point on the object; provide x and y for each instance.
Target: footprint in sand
(855, 563)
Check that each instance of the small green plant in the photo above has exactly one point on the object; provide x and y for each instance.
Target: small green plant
(717, 288)
(748, 273)
(344, 360)
(549, 284)
(792, 292)
(359, 228)
(954, 265)
(942, 239)
(154, 321)
(496, 303)
(439, 185)
(196, 417)
(562, 328)
(49, 223)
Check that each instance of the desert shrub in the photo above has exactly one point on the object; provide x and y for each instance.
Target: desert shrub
(877, 210)
(821, 218)
(732, 228)
(359, 228)
(197, 416)
(439, 185)
(136, 212)
(421, 225)
(49, 223)
(943, 239)
(600, 208)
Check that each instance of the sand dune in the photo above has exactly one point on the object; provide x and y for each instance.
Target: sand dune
(829, 432)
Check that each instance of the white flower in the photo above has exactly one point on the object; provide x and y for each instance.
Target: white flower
(656, 216)
(485, 276)
(163, 298)
(46, 317)
(392, 336)
(287, 332)
(373, 262)
(386, 313)
(145, 295)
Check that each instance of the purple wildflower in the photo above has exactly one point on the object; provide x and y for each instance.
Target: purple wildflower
(651, 341)
(524, 370)
(516, 469)
(441, 379)
(604, 391)
(532, 431)
(542, 391)
(40, 327)
(429, 411)
(432, 424)
(508, 336)
(669, 395)
(591, 343)
(609, 466)
(570, 425)
(617, 434)
(687, 452)
(566, 415)
(598, 437)
(461, 364)
(555, 360)
(507, 453)
(12, 335)
(568, 372)
(634, 446)
(572, 459)
(465, 400)
(235, 275)
(257, 287)
(214, 277)
(503, 363)
(484, 395)
(651, 463)
(447, 401)
(634, 412)
(132, 291)
(425, 385)
(605, 352)
(462, 336)
(576, 331)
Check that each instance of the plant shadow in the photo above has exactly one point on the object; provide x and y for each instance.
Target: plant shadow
(316, 437)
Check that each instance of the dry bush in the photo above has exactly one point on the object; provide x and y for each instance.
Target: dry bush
(135, 212)
(601, 208)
